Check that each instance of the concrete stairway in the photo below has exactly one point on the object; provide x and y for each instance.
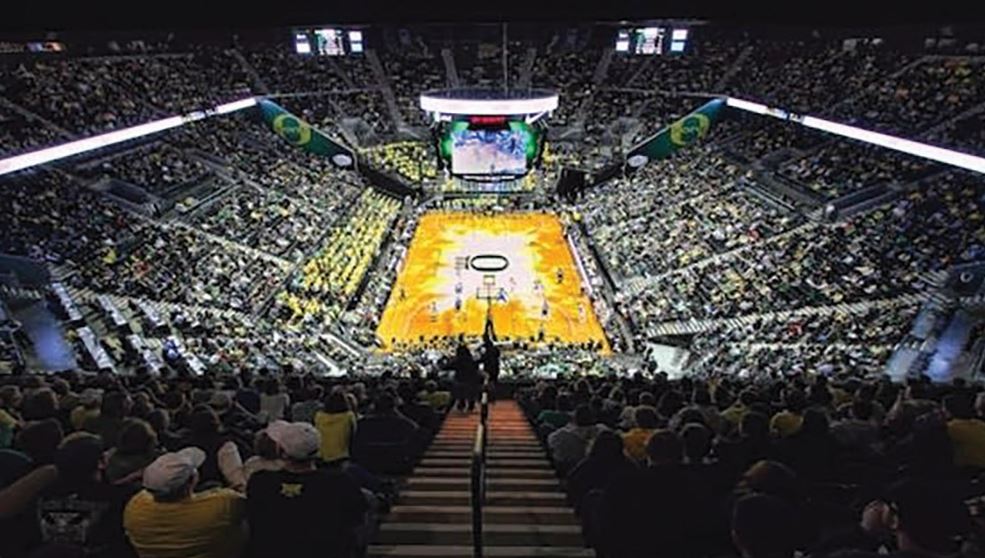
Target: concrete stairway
(525, 513)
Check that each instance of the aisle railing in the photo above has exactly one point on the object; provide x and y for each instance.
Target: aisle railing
(478, 475)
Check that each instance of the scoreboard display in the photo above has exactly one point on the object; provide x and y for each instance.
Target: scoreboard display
(652, 40)
(328, 41)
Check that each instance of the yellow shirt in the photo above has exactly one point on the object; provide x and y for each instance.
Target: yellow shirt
(735, 414)
(336, 432)
(634, 443)
(438, 399)
(968, 438)
(80, 415)
(786, 424)
(207, 525)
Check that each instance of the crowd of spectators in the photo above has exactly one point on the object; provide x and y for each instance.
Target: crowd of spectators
(266, 220)
(326, 282)
(684, 210)
(412, 160)
(880, 254)
(90, 95)
(786, 465)
(141, 466)
(846, 166)
(156, 167)
(927, 94)
(19, 133)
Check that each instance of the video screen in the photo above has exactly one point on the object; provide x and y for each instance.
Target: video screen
(329, 42)
(488, 152)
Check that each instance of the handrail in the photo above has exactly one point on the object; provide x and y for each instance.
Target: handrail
(478, 475)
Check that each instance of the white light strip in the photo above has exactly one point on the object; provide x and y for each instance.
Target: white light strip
(934, 153)
(746, 105)
(49, 154)
(236, 105)
(488, 107)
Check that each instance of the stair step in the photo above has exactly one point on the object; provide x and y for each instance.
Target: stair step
(502, 473)
(493, 498)
(447, 551)
(491, 514)
(493, 534)
(493, 463)
(421, 483)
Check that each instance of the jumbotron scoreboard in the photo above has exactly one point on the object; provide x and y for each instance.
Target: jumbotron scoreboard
(482, 134)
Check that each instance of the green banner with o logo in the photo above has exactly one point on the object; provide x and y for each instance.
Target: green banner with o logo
(301, 134)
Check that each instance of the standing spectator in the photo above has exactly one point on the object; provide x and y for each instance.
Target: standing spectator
(301, 510)
(467, 378)
(168, 519)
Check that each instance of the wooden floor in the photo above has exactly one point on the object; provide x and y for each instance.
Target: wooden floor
(516, 267)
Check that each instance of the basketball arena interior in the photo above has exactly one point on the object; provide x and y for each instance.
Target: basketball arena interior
(676, 288)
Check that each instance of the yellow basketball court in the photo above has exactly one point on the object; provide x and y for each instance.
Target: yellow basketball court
(517, 267)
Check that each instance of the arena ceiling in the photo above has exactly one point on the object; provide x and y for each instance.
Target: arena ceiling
(190, 14)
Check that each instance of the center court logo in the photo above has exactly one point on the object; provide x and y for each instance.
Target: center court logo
(487, 263)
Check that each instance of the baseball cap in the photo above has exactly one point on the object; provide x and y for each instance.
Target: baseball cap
(171, 471)
(299, 440)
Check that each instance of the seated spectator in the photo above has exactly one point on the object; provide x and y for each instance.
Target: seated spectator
(787, 422)
(438, 399)
(204, 433)
(136, 449)
(84, 511)
(414, 409)
(385, 440)
(762, 526)
(88, 408)
(20, 487)
(658, 510)
(812, 452)
(336, 424)
(550, 419)
(114, 409)
(168, 519)
(967, 432)
(919, 519)
(302, 510)
(635, 440)
(605, 462)
(39, 440)
(733, 414)
(858, 431)
(568, 445)
(751, 444)
(274, 403)
(233, 418)
(304, 410)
